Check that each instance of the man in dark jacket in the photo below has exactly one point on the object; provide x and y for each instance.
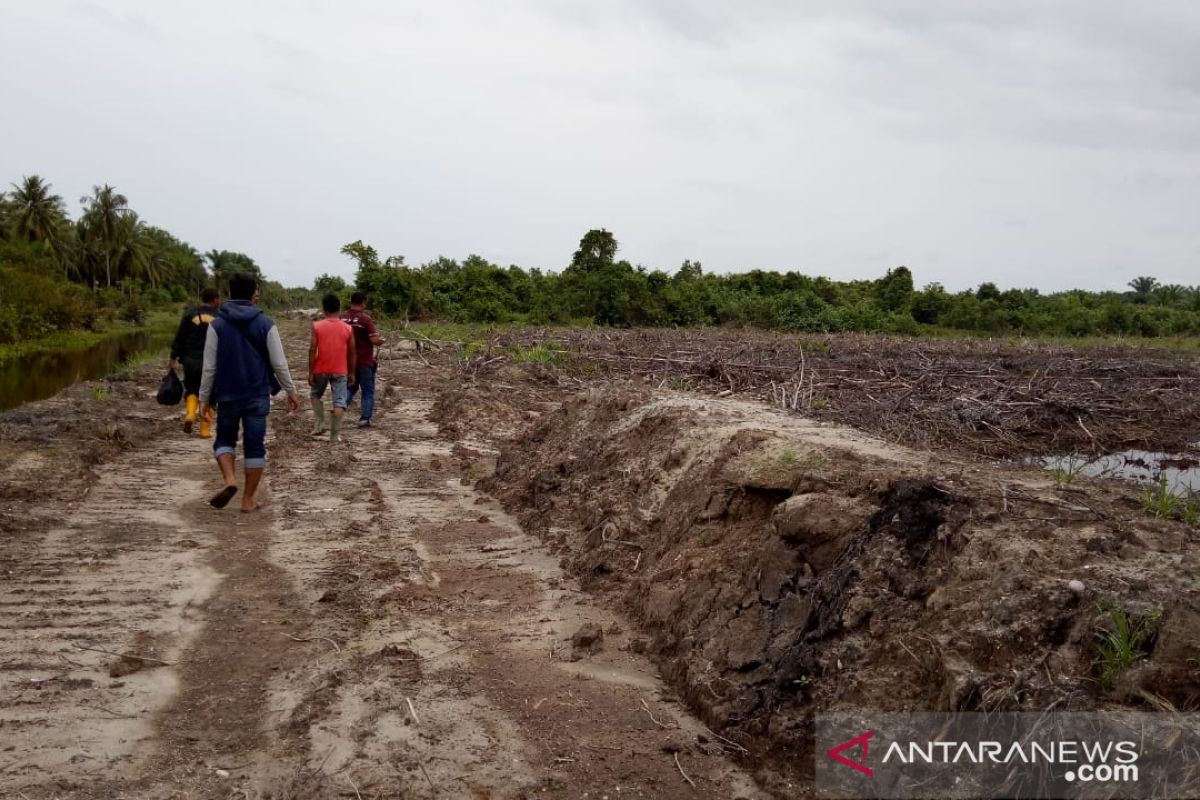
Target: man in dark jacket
(244, 365)
(366, 339)
(188, 347)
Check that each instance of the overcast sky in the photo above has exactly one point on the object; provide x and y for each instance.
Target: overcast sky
(1028, 142)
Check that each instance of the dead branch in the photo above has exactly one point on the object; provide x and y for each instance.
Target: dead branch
(127, 655)
(336, 648)
(681, 772)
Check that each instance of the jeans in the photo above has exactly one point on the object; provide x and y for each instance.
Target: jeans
(335, 382)
(365, 377)
(251, 416)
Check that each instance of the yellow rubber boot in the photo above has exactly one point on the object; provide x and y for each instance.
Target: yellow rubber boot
(206, 420)
(193, 402)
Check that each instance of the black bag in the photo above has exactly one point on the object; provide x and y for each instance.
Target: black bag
(170, 391)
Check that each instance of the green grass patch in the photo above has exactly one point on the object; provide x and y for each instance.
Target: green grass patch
(542, 354)
(679, 384)
(76, 340)
(142, 357)
(1169, 342)
(1066, 472)
(1122, 644)
(1162, 502)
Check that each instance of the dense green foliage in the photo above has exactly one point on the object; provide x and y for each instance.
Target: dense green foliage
(597, 288)
(59, 274)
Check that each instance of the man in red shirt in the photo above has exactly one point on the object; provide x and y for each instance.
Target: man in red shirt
(366, 339)
(331, 362)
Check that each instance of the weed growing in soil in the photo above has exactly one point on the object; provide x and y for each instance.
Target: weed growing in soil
(472, 349)
(1065, 474)
(1121, 645)
(1163, 503)
(542, 354)
(1191, 510)
(99, 393)
(139, 358)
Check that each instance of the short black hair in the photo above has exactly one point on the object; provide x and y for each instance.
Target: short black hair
(331, 303)
(358, 299)
(242, 286)
(208, 294)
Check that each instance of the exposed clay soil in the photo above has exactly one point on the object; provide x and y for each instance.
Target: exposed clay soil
(381, 629)
(779, 566)
(622, 574)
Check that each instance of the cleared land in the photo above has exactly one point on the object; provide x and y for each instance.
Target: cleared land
(568, 563)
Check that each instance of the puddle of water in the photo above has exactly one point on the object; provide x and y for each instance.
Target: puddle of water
(1181, 471)
(40, 375)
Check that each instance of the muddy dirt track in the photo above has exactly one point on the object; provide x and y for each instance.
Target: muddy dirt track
(381, 629)
(565, 579)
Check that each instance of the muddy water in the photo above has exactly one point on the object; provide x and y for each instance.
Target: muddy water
(1180, 471)
(40, 375)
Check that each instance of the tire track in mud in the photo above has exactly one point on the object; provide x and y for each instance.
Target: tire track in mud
(382, 628)
(122, 572)
(217, 719)
(439, 654)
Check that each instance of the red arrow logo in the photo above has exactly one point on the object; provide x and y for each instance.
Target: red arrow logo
(858, 741)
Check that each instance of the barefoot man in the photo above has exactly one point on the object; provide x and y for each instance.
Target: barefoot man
(244, 365)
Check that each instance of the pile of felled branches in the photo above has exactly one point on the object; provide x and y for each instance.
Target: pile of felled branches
(998, 397)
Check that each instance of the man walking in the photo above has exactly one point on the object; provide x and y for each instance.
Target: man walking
(331, 363)
(366, 339)
(188, 347)
(244, 365)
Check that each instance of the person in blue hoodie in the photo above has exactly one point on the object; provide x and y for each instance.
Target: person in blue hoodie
(244, 365)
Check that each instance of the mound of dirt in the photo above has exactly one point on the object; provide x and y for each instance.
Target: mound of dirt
(779, 566)
(509, 396)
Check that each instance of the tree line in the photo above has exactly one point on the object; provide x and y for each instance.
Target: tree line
(59, 273)
(597, 288)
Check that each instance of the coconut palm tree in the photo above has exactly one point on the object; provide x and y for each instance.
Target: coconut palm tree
(102, 220)
(38, 213)
(131, 254)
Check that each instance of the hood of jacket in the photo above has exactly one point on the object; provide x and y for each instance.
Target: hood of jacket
(242, 311)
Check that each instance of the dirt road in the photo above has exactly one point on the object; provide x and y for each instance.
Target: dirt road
(381, 629)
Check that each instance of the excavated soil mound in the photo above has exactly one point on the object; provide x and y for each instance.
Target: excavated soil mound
(779, 566)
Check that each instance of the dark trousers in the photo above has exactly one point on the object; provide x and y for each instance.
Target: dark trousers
(193, 369)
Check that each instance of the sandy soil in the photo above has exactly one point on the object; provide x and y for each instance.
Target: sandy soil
(381, 628)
